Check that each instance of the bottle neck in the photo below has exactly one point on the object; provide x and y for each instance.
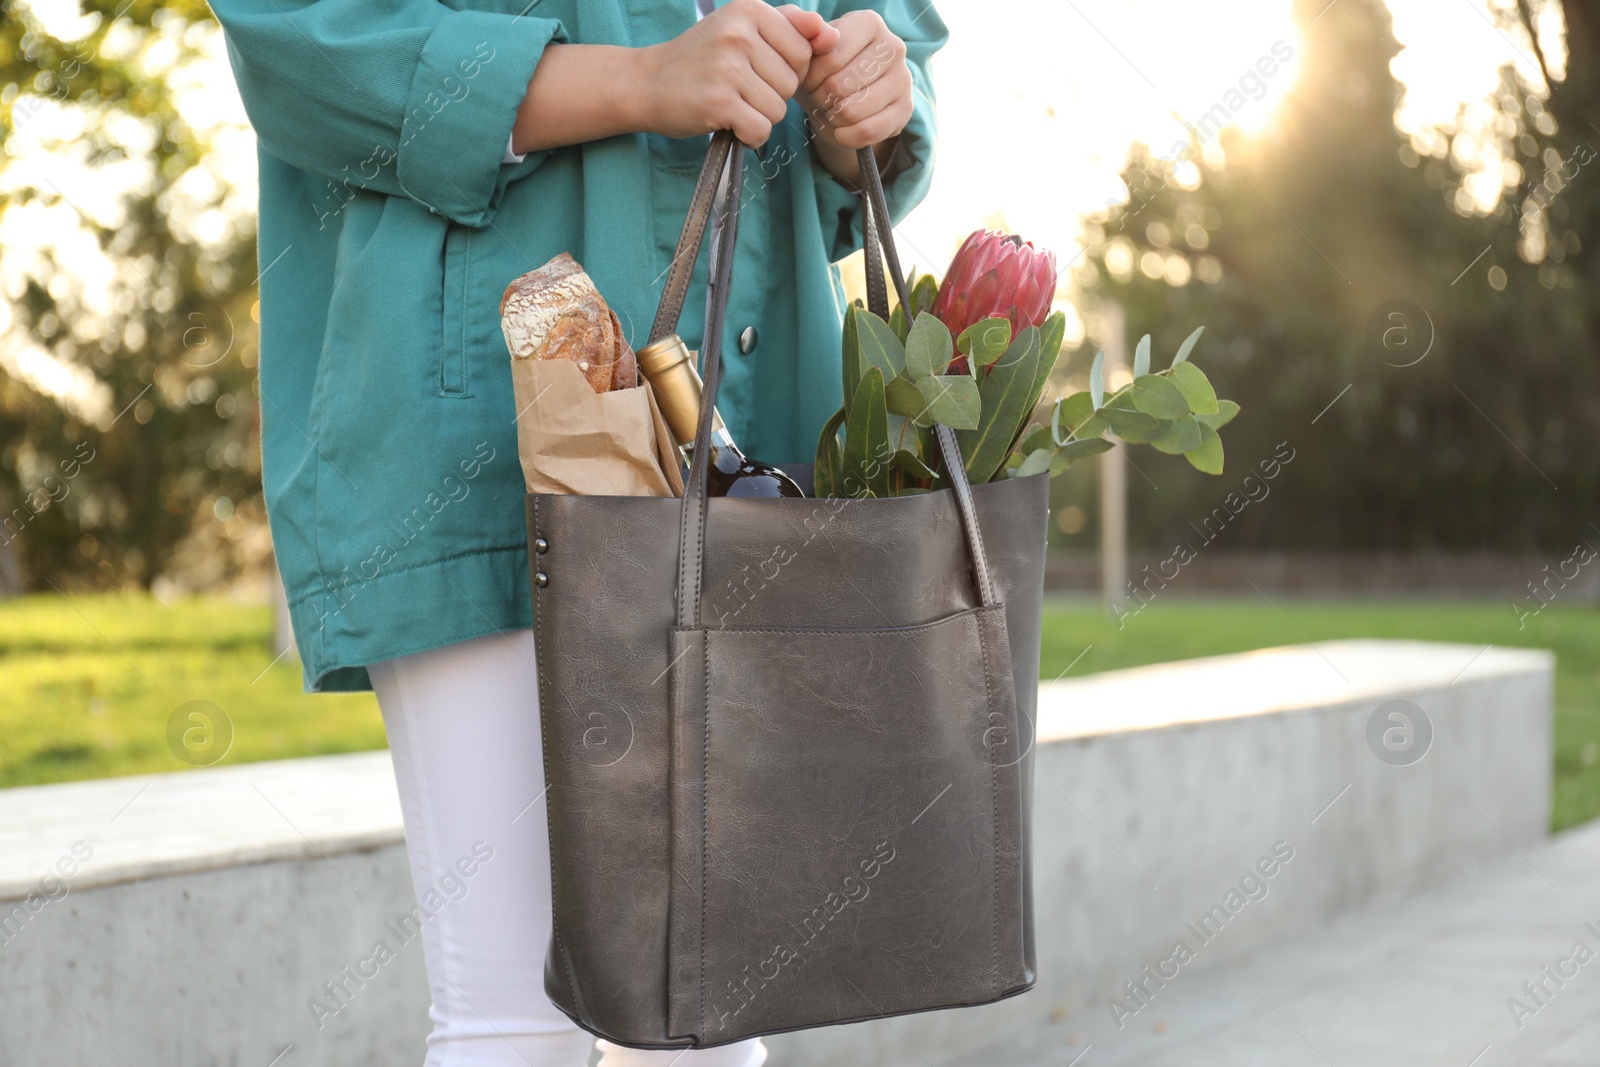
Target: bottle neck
(724, 454)
(668, 366)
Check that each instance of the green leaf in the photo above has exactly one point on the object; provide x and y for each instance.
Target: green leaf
(1006, 392)
(1097, 380)
(903, 435)
(1208, 457)
(1141, 357)
(1132, 426)
(879, 346)
(899, 427)
(1195, 387)
(904, 398)
(897, 322)
(830, 457)
(1023, 349)
(924, 291)
(952, 400)
(1034, 439)
(1038, 462)
(1050, 335)
(1158, 397)
(927, 347)
(1066, 457)
(928, 447)
(912, 463)
(1076, 450)
(866, 442)
(851, 349)
(1179, 437)
(1187, 346)
(1075, 409)
(1226, 410)
(1074, 416)
(985, 340)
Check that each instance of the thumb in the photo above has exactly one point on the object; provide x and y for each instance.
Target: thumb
(810, 25)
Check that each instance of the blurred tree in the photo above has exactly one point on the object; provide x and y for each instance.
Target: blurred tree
(1445, 424)
(1551, 125)
(128, 417)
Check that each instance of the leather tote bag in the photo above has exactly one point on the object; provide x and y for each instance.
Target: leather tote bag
(788, 742)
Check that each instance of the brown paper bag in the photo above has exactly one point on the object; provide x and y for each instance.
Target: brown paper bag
(571, 439)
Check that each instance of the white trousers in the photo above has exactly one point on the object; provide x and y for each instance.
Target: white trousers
(463, 725)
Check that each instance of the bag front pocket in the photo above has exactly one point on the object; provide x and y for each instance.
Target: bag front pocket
(846, 810)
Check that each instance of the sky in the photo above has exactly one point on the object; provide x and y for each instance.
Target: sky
(1038, 104)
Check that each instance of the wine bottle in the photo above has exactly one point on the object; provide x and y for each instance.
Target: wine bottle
(669, 368)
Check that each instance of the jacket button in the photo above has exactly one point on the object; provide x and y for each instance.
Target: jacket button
(540, 545)
(747, 340)
(541, 579)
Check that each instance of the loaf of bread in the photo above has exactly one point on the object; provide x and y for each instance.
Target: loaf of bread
(555, 312)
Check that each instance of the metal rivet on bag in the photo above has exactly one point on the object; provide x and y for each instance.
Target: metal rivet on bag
(540, 545)
(541, 579)
(747, 340)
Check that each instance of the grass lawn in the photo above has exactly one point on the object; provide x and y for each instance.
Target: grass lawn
(90, 686)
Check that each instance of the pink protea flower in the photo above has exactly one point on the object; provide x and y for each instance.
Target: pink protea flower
(997, 274)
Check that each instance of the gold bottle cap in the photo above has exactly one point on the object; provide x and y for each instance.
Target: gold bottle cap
(662, 354)
(668, 365)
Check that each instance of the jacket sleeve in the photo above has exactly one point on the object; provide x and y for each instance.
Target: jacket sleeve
(909, 170)
(404, 97)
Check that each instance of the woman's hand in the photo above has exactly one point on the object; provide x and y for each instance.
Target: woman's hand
(735, 69)
(858, 93)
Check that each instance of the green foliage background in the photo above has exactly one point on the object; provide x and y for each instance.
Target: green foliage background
(1484, 444)
(177, 352)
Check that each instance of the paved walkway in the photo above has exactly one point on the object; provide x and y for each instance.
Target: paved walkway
(1423, 982)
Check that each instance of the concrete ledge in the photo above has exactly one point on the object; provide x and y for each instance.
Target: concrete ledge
(190, 918)
(212, 905)
(151, 826)
(1301, 678)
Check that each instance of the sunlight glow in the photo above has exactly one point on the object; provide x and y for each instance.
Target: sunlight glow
(1450, 68)
(1072, 93)
(1091, 77)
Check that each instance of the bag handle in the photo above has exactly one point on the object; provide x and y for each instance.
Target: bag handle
(879, 239)
(876, 229)
(681, 268)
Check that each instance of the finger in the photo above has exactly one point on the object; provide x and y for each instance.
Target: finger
(838, 107)
(851, 101)
(761, 96)
(782, 36)
(883, 57)
(826, 40)
(774, 70)
(824, 36)
(857, 31)
(890, 94)
(880, 126)
(826, 65)
(749, 125)
(808, 23)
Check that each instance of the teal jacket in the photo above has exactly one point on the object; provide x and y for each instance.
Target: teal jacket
(389, 227)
